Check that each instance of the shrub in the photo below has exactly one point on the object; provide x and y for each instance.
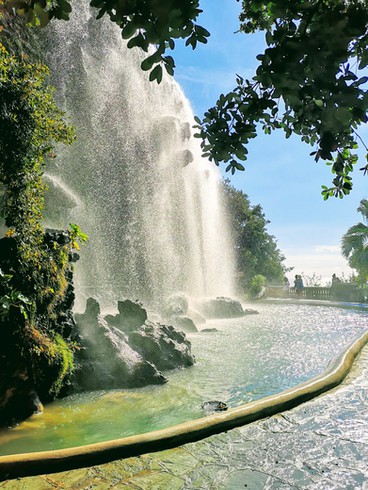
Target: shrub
(256, 285)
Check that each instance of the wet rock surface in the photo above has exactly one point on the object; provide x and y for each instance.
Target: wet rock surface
(131, 316)
(183, 323)
(162, 345)
(105, 359)
(176, 312)
(322, 444)
(220, 307)
(21, 391)
(126, 350)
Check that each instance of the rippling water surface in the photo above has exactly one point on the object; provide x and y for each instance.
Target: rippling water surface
(245, 359)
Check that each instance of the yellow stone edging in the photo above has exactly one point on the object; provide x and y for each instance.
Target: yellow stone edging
(30, 464)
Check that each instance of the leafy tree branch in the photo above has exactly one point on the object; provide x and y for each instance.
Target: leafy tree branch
(304, 84)
(144, 23)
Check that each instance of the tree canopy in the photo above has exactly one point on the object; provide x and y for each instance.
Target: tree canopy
(256, 251)
(310, 80)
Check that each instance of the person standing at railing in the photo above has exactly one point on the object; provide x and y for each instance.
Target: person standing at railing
(298, 284)
(335, 280)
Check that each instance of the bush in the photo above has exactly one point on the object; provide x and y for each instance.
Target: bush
(256, 285)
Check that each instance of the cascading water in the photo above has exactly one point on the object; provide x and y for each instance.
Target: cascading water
(135, 180)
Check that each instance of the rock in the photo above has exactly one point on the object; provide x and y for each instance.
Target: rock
(106, 360)
(214, 406)
(162, 345)
(19, 399)
(177, 304)
(220, 307)
(185, 131)
(63, 322)
(195, 316)
(209, 330)
(183, 323)
(249, 311)
(175, 311)
(131, 316)
(29, 367)
(119, 351)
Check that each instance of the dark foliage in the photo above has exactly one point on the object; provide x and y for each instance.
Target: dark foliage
(310, 81)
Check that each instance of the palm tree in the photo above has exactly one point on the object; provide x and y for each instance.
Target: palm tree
(354, 244)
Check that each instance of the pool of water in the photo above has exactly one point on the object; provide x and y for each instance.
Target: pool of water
(245, 359)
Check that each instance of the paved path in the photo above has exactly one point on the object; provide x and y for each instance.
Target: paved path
(322, 444)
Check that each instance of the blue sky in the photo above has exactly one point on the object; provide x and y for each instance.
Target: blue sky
(280, 175)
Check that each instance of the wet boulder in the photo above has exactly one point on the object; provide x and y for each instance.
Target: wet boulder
(220, 307)
(214, 406)
(175, 313)
(183, 157)
(197, 318)
(105, 359)
(18, 396)
(183, 323)
(162, 345)
(131, 316)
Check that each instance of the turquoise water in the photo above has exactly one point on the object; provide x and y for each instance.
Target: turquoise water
(245, 359)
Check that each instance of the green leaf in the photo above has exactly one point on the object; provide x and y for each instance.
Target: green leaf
(129, 30)
(239, 166)
(202, 32)
(156, 74)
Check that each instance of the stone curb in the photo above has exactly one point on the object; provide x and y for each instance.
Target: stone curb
(37, 463)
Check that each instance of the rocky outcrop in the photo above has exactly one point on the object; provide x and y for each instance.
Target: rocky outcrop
(27, 372)
(19, 398)
(177, 304)
(106, 360)
(126, 350)
(176, 313)
(131, 316)
(162, 345)
(197, 318)
(183, 323)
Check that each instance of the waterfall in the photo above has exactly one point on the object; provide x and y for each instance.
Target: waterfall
(135, 180)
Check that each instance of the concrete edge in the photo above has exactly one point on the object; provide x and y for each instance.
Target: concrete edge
(37, 463)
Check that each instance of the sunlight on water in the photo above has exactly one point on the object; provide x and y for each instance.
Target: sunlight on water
(246, 359)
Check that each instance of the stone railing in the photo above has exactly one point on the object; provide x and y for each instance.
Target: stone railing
(338, 292)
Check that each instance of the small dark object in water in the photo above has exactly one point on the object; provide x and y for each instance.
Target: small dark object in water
(214, 406)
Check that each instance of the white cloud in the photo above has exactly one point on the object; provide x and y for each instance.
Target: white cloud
(333, 249)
